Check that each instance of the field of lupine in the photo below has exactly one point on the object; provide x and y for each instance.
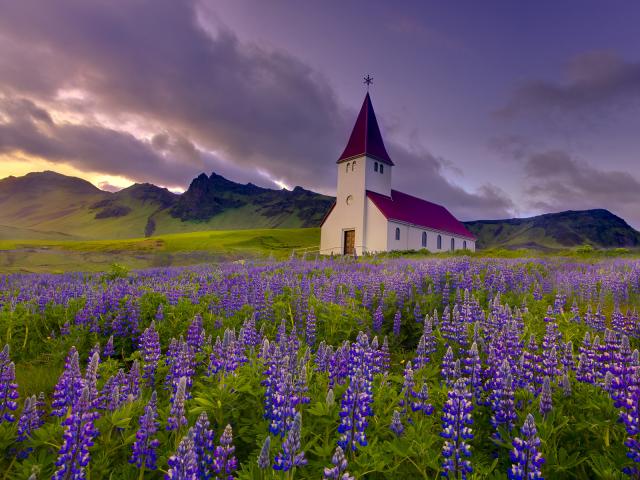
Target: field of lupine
(335, 369)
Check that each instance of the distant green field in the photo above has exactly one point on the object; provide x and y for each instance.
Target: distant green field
(164, 250)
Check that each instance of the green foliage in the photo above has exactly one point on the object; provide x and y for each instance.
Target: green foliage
(581, 438)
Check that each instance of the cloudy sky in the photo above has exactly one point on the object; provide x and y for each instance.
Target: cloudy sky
(491, 108)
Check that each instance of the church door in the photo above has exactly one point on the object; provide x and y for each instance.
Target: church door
(349, 242)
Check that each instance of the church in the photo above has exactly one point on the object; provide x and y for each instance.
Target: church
(369, 216)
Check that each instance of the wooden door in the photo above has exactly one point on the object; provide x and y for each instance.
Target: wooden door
(349, 242)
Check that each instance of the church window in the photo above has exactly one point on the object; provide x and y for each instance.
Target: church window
(397, 233)
(381, 168)
(464, 244)
(353, 166)
(424, 239)
(453, 244)
(348, 167)
(375, 166)
(439, 242)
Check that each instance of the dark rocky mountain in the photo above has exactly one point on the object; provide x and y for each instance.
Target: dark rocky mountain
(213, 195)
(51, 203)
(598, 228)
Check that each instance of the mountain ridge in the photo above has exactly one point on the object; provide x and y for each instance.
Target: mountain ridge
(43, 205)
(596, 227)
(52, 202)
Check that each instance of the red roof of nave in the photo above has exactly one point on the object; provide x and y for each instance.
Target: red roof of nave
(409, 209)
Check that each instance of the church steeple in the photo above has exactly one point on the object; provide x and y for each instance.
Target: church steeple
(365, 138)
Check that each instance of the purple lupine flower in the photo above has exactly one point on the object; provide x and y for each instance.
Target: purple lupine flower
(113, 391)
(160, 313)
(203, 446)
(565, 384)
(422, 355)
(132, 386)
(183, 465)
(383, 357)
(447, 368)
(30, 419)
(525, 455)
(546, 401)
(264, 459)
(196, 334)
(145, 446)
(503, 412)
(397, 323)
(69, 387)
(91, 379)
(339, 469)
(472, 370)
(291, 455)
(407, 388)
(181, 364)
(177, 418)
(417, 313)
(421, 400)
(78, 437)
(150, 347)
(567, 360)
(456, 421)
(65, 329)
(396, 423)
(630, 416)
(356, 401)
(585, 372)
(8, 387)
(108, 348)
(310, 327)
(96, 348)
(224, 461)
(378, 318)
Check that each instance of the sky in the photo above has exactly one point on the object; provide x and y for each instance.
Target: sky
(494, 109)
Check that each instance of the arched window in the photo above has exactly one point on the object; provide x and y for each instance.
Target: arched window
(397, 233)
(347, 167)
(375, 166)
(381, 168)
(353, 166)
(424, 239)
(464, 244)
(453, 244)
(439, 242)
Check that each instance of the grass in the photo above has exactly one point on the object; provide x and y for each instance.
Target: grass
(177, 249)
(163, 250)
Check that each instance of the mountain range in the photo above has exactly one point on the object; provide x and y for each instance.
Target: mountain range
(51, 206)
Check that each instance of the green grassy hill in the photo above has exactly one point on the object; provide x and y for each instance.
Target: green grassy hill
(599, 228)
(55, 255)
(48, 205)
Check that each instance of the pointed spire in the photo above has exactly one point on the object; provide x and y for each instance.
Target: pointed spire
(365, 138)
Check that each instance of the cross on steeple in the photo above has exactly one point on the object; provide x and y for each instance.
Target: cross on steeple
(368, 80)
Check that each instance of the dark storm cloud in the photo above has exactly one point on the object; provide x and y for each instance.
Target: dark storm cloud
(29, 129)
(429, 182)
(166, 66)
(559, 182)
(596, 80)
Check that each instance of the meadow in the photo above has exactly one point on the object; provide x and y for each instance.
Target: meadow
(180, 249)
(382, 368)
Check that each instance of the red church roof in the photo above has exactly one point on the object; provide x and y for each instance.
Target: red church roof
(408, 209)
(365, 138)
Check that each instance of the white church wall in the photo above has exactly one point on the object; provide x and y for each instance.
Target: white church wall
(346, 216)
(376, 229)
(411, 238)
